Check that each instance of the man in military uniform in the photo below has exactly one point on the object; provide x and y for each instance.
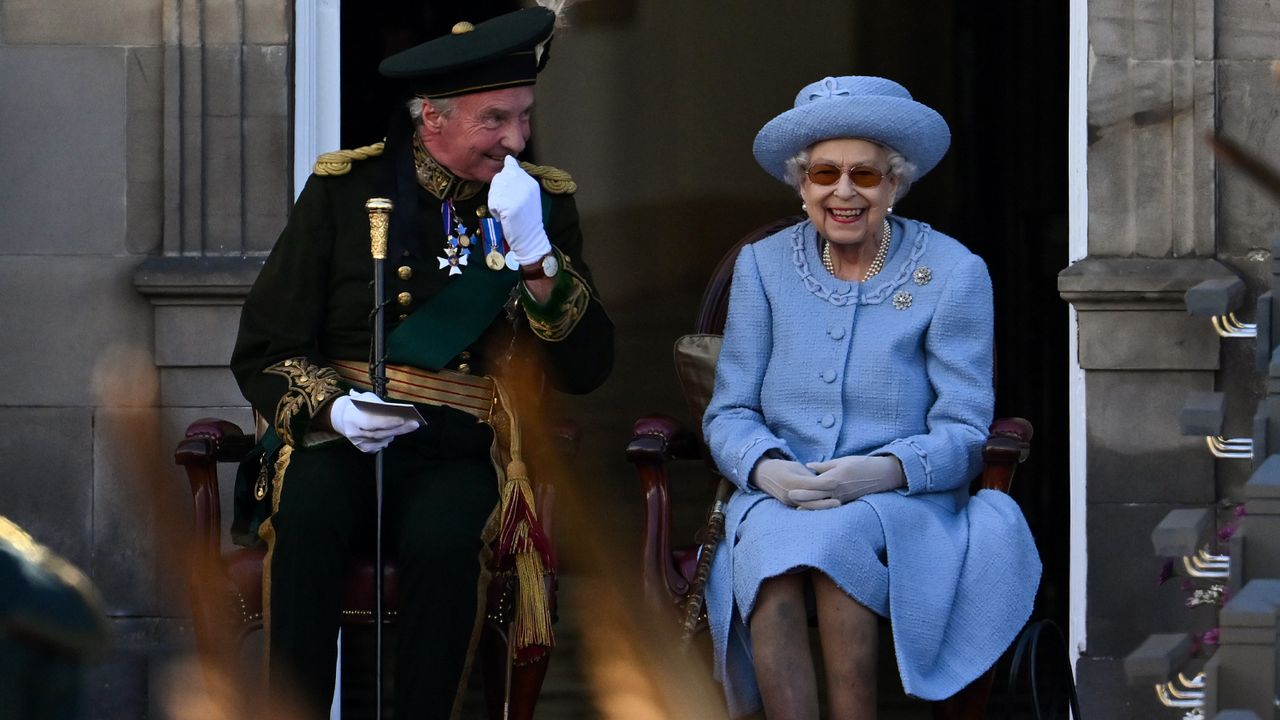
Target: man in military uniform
(485, 281)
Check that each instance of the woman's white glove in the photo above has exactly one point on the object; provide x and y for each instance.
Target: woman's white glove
(370, 432)
(780, 478)
(845, 479)
(516, 201)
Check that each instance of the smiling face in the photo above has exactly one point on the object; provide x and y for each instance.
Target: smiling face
(479, 132)
(844, 213)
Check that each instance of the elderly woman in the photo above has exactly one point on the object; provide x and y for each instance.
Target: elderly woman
(853, 395)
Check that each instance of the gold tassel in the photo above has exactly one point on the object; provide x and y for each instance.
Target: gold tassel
(533, 611)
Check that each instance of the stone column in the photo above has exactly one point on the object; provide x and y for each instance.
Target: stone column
(1154, 232)
(224, 121)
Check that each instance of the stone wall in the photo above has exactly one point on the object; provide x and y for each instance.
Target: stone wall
(147, 142)
(1163, 215)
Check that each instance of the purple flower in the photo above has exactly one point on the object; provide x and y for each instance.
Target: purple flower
(1210, 637)
(1240, 511)
(1225, 533)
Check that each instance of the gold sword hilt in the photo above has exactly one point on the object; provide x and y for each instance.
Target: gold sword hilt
(379, 216)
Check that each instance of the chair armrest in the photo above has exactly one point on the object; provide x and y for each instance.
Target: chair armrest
(209, 441)
(1008, 445)
(655, 440)
(659, 438)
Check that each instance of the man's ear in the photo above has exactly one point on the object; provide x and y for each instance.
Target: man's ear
(432, 120)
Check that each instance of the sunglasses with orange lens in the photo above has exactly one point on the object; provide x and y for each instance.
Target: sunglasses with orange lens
(861, 175)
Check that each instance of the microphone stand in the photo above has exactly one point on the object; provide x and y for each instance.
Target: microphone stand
(379, 210)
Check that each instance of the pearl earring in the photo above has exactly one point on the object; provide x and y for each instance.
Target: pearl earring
(890, 210)
(804, 207)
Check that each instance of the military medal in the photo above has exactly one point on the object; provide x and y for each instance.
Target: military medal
(491, 232)
(457, 244)
(453, 260)
(495, 260)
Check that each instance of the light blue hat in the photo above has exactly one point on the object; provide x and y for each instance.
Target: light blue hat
(856, 106)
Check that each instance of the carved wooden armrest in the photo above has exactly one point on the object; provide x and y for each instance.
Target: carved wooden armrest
(1008, 444)
(656, 439)
(209, 441)
(659, 438)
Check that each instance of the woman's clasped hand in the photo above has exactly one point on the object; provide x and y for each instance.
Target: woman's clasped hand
(827, 484)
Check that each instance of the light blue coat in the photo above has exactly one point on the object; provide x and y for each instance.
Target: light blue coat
(820, 368)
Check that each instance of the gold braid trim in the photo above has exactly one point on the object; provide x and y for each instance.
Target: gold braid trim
(554, 180)
(438, 179)
(310, 386)
(572, 308)
(339, 161)
(267, 532)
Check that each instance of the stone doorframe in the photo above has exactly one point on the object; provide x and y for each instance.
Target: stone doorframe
(317, 102)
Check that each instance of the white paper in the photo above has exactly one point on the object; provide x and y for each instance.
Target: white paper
(403, 411)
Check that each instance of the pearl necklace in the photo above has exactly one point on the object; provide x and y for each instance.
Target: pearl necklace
(876, 263)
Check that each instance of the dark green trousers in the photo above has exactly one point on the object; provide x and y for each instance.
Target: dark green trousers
(440, 488)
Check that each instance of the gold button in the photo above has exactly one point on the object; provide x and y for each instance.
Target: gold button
(404, 298)
(463, 27)
(464, 368)
(403, 316)
(464, 355)
(405, 272)
(482, 211)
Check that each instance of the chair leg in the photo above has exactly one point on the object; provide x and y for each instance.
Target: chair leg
(526, 680)
(968, 704)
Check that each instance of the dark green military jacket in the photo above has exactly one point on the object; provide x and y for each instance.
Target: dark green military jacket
(312, 301)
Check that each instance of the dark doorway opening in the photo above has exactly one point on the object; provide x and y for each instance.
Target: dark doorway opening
(998, 73)
(374, 30)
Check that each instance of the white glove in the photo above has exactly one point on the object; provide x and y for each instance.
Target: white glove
(843, 480)
(779, 478)
(516, 201)
(367, 431)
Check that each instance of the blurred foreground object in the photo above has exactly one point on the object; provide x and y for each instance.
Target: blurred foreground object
(51, 623)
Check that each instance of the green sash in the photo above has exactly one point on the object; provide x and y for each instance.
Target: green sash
(453, 318)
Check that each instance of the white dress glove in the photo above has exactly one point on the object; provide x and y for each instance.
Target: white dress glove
(843, 480)
(516, 201)
(367, 431)
(780, 478)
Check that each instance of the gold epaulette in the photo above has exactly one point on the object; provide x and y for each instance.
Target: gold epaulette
(554, 180)
(339, 161)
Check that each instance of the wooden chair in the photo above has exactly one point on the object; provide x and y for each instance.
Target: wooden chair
(658, 440)
(234, 610)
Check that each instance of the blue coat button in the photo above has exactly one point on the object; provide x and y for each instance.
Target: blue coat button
(829, 375)
(836, 333)
(828, 420)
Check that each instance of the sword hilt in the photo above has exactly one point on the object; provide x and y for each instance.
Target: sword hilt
(379, 214)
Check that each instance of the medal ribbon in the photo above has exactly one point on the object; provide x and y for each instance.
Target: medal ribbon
(493, 239)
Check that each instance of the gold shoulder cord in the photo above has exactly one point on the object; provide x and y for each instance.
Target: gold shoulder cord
(339, 161)
(554, 180)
